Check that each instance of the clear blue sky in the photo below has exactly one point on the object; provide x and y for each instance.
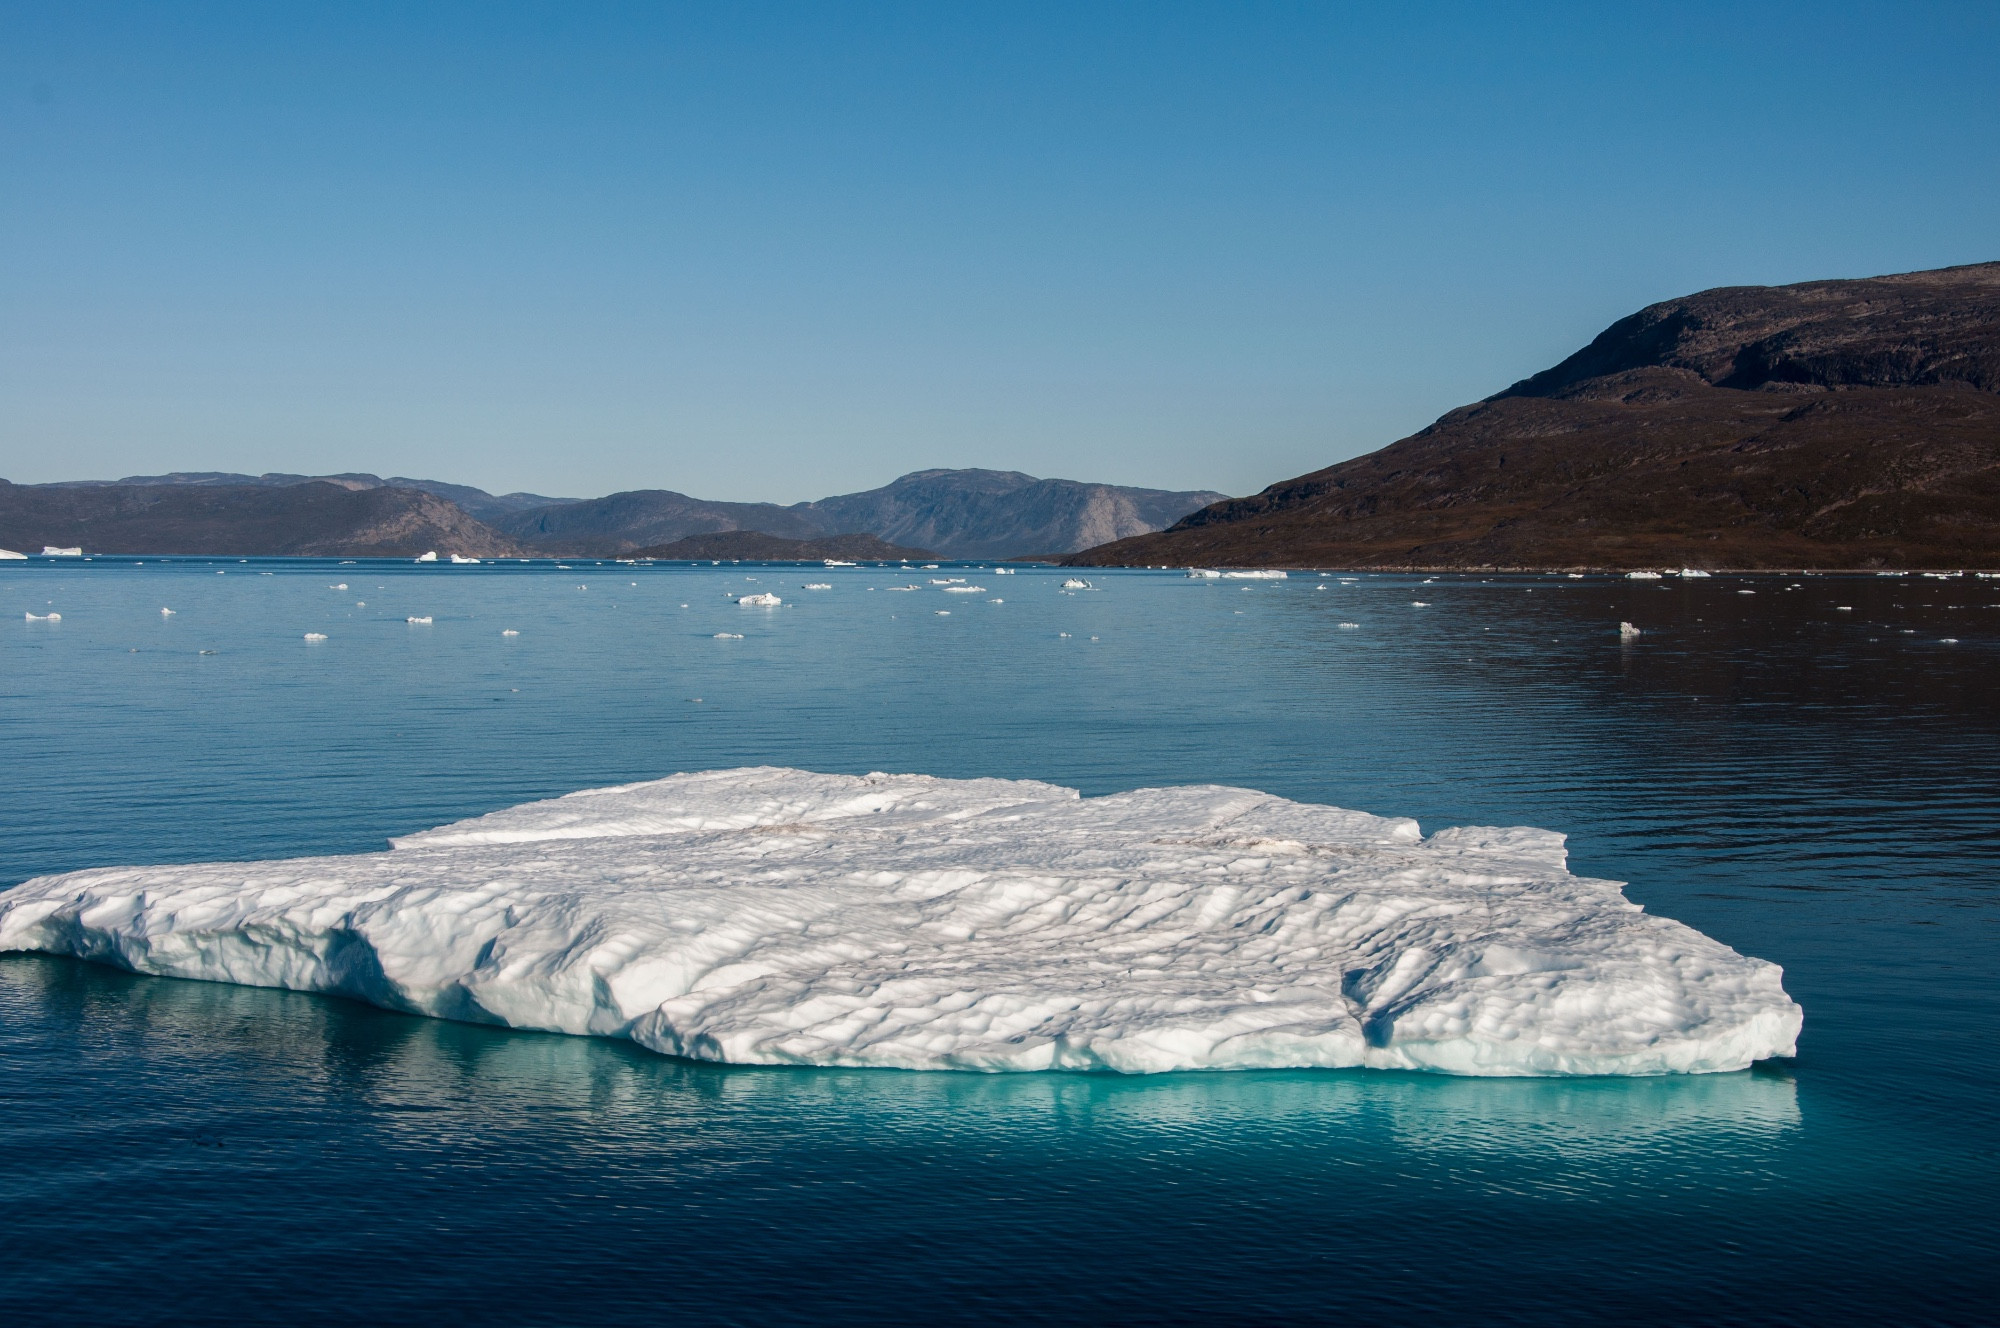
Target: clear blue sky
(780, 251)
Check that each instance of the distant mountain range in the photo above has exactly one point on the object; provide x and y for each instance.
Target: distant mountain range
(1829, 424)
(949, 513)
(953, 513)
(315, 518)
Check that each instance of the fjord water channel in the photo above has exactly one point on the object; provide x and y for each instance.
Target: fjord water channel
(1806, 768)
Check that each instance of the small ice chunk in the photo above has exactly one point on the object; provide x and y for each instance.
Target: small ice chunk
(817, 585)
(763, 601)
(166, 613)
(421, 622)
(508, 631)
(430, 557)
(1350, 626)
(1076, 583)
(1255, 576)
(965, 590)
(729, 636)
(315, 636)
(44, 617)
(9, 556)
(1626, 631)
(340, 586)
(1642, 576)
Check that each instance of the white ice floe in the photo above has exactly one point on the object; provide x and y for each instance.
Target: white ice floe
(1076, 583)
(339, 585)
(1202, 574)
(1626, 631)
(772, 916)
(44, 617)
(315, 636)
(1253, 576)
(166, 613)
(421, 622)
(508, 631)
(763, 601)
(729, 636)
(965, 590)
(817, 585)
(462, 561)
(838, 562)
(1350, 626)
(430, 557)
(1692, 571)
(1642, 576)
(9, 556)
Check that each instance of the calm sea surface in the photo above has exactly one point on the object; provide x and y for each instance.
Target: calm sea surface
(1807, 768)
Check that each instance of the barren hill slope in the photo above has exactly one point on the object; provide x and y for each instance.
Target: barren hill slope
(1829, 424)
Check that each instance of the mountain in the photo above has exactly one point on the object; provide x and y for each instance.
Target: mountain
(957, 513)
(315, 518)
(641, 518)
(1003, 513)
(1827, 424)
(756, 546)
(476, 502)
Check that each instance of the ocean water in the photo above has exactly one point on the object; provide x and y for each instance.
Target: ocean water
(1809, 772)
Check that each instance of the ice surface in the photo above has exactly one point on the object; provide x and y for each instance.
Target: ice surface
(763, 601)
(1253, 576)
(8, 555)
(773, 916)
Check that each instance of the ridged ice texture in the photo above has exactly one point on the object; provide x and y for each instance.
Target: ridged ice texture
(771, 916)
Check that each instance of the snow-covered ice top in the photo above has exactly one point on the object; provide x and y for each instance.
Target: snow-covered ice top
(773, 916)
(765, 600)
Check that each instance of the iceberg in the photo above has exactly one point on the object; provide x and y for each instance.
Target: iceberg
(781, 917)
(1254, 576)
(53, 551)
(430, 557)
(9, 556)
(763, 601)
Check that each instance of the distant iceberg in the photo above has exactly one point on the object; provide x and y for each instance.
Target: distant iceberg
(52, 551)
(763, 601)
(1254, 576)
(430, 557)
(779, 917)
(8, 555)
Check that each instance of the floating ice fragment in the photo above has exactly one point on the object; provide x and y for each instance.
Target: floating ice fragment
(315, 636)
(508, 631)
(1075, 583)
(53, 551)
(1692, 571)
(729, 636)
(421, 622)
(166, 613)
(430, 557)
(763, 601)
(775, 917)
(1350, 625)
(942, 613)
(341, 586)
(9, 556)
(1420, 604)
(462, 561)
(1642, 576)
(817, 585)
(1626, 631)
(44, 617)
(965, 590)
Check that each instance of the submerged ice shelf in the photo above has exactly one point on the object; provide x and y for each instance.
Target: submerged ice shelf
(772, 916)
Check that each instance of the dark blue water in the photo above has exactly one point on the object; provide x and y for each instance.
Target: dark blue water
(1816, 786)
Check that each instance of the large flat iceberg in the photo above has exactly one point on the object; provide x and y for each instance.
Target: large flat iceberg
(771, 916)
